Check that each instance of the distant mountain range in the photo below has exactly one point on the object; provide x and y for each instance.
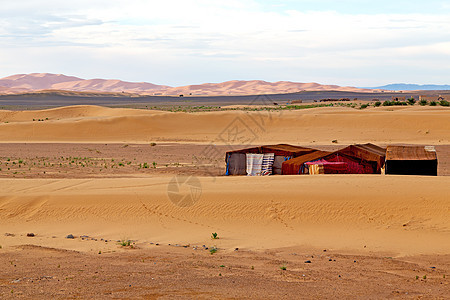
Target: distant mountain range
(44, 81)
(23, 83)
(413, 87)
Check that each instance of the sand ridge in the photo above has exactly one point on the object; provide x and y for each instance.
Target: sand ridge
(416, 125)
(45, 81)
(396, 214)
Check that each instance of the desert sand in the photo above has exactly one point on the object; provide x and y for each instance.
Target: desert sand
(399, 215)
(330, 236)
(415, 125)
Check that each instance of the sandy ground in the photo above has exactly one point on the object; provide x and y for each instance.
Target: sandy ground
(398, 226)
(415, 125)
(62, 160)
(384, 236)
(162, 272)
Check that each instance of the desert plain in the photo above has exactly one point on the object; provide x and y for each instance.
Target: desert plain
(93, 205)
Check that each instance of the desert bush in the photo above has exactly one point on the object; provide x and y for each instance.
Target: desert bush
(411, 101)
(444, 103)
(378, 103)
(387, 103)
(433, 103)
(125, 243)
(423, 102)
(363, 106)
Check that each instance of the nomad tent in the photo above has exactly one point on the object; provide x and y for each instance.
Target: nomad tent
(367, 152)
(411, 160)
(354, 159)
(237, 160)
(296, 166)
(338, 163)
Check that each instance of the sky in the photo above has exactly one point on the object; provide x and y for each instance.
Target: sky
(181, 42)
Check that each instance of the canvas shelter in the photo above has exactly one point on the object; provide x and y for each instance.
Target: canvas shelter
(237, 160)
(338, 163)
(295, 166)
(369, 153)
(411, 160)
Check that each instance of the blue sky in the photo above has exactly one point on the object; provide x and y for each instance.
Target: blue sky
(179, 42)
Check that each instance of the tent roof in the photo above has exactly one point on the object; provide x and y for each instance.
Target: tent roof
(287, 148)
(372, 148)
(300, 160)
(411, 153)
(275, 148)
(368, 148)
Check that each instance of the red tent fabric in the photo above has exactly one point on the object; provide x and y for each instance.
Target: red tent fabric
(337, 163)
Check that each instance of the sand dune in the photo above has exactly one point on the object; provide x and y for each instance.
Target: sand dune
(71, 112)
(415, 125)
(400, 215)
(44, 81)
(254, 87)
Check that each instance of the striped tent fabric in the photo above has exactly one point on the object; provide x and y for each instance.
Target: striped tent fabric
(259, 164)
(267, 164)
(254, 164)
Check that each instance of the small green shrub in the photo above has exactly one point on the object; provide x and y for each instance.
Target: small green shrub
(433, 103)
(363, 106)
(125, 243)
(444, 103)
(423, 102)
(387, 103)
(152, 144)
(378, 103)
(214, 236)
(283, 268)
(411, 101)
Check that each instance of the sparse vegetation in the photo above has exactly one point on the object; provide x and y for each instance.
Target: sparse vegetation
(377, 104)
(214, 236)
(444, 103)
(283, 268)
(125, 243)
(423, 102)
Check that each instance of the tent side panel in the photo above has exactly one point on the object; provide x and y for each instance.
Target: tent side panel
(278, 164)
(412, 167)
(236, 164)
